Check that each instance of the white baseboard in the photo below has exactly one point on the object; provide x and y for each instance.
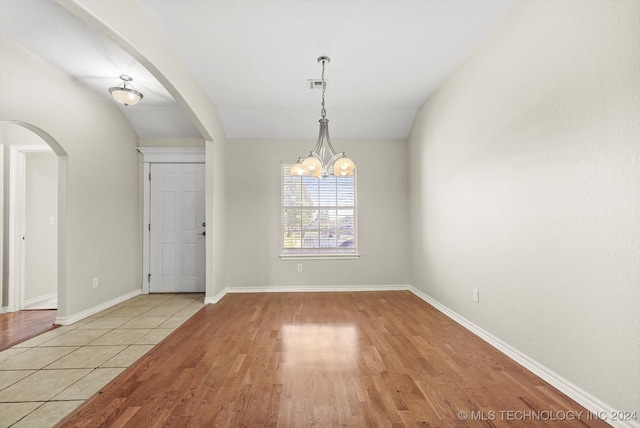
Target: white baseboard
(4, 309)
(39, 299)
(94, 310)
(216, 298)
(591, 403)
(306, 289)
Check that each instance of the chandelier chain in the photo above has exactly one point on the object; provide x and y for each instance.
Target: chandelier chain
(323, 112)
(323, 160)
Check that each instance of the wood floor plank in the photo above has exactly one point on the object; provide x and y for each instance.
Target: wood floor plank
(322, 359)
(16, 327)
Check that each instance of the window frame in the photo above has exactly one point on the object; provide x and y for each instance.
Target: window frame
(304, 252)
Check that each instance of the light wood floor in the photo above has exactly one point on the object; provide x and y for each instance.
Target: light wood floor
(16, 327)
(324, 359)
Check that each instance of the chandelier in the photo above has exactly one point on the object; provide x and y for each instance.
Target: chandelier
(323, 160)
(125, 95)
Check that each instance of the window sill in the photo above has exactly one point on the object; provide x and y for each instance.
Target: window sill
(319, 256)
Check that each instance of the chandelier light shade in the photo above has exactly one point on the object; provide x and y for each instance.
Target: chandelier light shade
(124, 94)
(343, 166)
(297, 168)
(323, 160)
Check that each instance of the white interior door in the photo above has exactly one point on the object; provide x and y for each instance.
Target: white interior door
(176, 234)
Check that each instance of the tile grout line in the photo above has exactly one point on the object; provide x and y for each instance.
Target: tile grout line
(43, 403)
(169, 312)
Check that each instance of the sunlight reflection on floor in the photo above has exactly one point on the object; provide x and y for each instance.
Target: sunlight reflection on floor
(335, 347)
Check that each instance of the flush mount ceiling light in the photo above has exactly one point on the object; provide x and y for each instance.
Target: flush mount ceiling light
(125, 95)
(323, 160)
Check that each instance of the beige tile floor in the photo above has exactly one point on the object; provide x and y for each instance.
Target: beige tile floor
(45, 378)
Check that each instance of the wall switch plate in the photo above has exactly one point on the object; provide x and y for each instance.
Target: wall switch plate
(299, 267)
(476, 295)
(95, 282)
(51, 220)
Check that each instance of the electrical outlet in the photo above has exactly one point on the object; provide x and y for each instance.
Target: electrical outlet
(476, 295)
(299, 267)
(95, 282)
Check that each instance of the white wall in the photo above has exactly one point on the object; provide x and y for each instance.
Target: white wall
(41, 237)
(525, 184)
(100, 184)
(216, 200)
(253, 233)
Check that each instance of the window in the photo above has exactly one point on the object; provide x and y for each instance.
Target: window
(318, 215)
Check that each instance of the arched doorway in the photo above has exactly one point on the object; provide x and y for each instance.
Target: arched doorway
(13, 295)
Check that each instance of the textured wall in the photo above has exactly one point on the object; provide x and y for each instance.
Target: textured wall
(525, 178)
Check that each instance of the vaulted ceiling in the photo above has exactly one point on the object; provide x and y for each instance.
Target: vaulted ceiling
(253, 58)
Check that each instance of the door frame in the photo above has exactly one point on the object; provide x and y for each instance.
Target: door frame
(17, 213)
(152, 155)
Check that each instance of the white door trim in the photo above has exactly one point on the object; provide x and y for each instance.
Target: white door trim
(159, 155)
(16, 229)
(17, 192)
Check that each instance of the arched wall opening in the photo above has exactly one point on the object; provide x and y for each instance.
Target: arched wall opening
(142, 42)
(12, 296)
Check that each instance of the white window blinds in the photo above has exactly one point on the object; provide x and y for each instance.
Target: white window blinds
(318, 214)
